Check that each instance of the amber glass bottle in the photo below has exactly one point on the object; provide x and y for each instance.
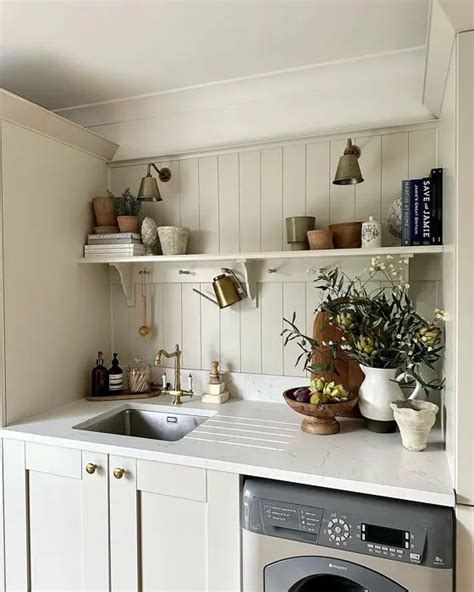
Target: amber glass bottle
(100, 378)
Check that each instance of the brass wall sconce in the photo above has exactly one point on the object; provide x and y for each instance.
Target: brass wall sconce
(348, 169)
(149, 190)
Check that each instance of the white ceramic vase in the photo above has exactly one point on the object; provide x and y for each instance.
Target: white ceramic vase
(379, 389)
(415, 420)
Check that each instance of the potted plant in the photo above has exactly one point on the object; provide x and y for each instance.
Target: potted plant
(382, 331)
(127, 207)
(320, 402)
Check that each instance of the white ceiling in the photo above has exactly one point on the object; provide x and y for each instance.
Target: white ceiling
(64, 53)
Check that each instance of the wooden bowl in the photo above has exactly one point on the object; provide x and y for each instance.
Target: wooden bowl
(347, 235)
(320, 419)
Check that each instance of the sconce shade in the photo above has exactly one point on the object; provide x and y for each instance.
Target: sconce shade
(149, 187)
(348, 169)
(149, 190)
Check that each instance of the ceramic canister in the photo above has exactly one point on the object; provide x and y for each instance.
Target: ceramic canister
(371, 233)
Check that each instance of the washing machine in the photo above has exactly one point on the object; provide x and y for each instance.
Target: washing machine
(298, 538)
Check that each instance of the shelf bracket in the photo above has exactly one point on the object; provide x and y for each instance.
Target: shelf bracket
(125, 271)
(249, 282)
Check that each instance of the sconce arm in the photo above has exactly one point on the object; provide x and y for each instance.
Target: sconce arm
(164, 174)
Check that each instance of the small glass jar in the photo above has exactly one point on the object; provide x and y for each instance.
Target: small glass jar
(138, 375)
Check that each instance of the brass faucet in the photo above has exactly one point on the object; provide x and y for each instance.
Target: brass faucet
(177, 391)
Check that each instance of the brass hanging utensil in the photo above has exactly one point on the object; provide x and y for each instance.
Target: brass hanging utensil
(144, 330)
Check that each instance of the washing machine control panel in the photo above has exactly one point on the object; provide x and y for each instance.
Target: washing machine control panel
(292, 520)
(353, 532)
(394, 530)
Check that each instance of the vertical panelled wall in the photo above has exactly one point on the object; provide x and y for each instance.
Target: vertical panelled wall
(237, 202)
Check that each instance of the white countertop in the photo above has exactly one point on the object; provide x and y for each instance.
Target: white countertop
(261, 439)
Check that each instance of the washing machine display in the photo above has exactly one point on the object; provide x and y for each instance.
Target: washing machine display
(392, 537)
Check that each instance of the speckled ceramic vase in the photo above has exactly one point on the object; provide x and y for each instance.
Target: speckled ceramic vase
(415, 420)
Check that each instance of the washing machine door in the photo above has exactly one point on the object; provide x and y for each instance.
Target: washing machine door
(325, 574)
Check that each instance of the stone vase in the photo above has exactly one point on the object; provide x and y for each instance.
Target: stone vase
(173, 239)
(415, 420)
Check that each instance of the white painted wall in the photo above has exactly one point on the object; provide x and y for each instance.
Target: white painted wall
(56, 311)
(359, 93)
(237, 201)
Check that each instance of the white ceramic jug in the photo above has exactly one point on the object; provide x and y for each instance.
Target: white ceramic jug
(379, 389)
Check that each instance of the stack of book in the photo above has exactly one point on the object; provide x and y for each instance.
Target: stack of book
(422, 210)
(120, 244)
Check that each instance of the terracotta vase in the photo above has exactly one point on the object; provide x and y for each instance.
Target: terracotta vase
(104, 211)
(347, 235)
(320, 239)
(128, 223)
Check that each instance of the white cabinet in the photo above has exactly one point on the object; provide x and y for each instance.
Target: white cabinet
(56, 518)
(171, 527)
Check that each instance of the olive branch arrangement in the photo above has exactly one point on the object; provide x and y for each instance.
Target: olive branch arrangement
(379, 327)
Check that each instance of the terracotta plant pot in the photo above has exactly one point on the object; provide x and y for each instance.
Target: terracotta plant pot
(320, 419)
(347, 235)
(104, 211)
(128, 223)
(320, 239)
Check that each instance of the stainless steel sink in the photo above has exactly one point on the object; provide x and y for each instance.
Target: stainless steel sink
(148, 424)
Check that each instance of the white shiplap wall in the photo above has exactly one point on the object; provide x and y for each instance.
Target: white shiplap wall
(237, 202)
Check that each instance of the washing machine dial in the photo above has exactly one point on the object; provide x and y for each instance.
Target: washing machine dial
(338, 530)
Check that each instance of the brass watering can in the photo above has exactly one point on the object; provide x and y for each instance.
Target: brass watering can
(227, 288)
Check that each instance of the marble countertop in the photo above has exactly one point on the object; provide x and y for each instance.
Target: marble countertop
(260, 439)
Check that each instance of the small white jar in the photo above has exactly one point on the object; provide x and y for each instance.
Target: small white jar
(371, 234)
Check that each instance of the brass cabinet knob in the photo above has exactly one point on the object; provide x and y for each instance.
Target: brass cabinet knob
(91, 468)
(119, 473)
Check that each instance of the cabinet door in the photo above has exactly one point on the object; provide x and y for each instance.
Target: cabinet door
(56, 518)
(173, 528)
